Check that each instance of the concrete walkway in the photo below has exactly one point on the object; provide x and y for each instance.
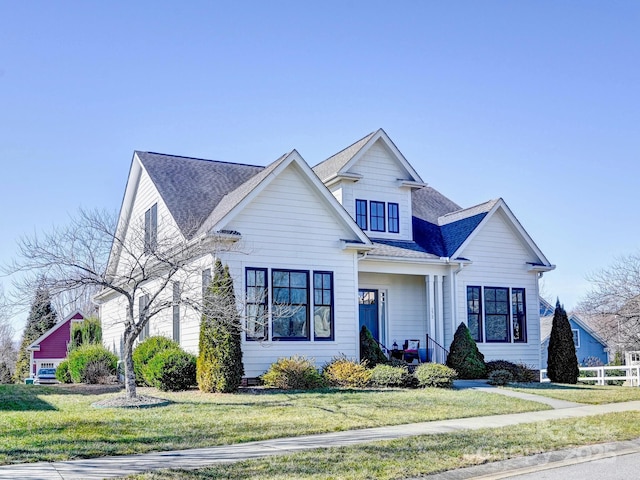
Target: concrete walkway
(109, 467)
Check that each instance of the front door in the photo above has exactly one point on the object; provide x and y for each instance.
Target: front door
(368, 300)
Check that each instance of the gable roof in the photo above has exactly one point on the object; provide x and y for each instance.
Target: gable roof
(341, 162)
(35, 345)
(192, 187)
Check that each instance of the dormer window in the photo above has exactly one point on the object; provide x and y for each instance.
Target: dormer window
(377, 216)
(151, 229)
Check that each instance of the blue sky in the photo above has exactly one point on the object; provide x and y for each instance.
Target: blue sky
(537, 102)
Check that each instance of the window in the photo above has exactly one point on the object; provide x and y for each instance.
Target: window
(323, 305)
(474, 313)
(143, 303)
(496, 314)
(576, 337)
(290, 304)
(519, 319)
(361, 214)
(257, 298)
(151, 229)
(176, 311)
(377, 216)
(394, 218)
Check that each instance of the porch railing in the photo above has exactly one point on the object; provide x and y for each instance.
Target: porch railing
(436, 353)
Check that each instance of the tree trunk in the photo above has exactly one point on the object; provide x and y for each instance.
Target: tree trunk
(129, 374)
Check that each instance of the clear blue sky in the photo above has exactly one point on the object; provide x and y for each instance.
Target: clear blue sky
(537, 102)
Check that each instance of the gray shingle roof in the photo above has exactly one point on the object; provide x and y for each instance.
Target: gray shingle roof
(399, 248)
(192, 187)
(334, 164)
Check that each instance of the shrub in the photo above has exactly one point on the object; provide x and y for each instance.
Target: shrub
(219, 366)
(526, 374)
(5, 374)
(500, 377)
(370, 351)
(464, 356)
(172, 370)
(435, 375)
(97, 371)
(94, 356)
(562, 363)
(294, 373)
(343, 372)
(63, 375)
(87, 331)
(519, 371)
(389, 376)
(145, 351)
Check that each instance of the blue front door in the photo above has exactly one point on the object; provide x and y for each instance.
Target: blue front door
(368, 300)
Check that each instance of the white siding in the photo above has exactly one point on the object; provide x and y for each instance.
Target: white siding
(500, 260)
(380, 171)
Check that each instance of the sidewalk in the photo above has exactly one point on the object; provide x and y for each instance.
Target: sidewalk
(109, 467)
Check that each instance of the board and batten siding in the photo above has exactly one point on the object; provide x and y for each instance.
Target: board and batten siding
(290, 226)
(380, 173)
(500, 260)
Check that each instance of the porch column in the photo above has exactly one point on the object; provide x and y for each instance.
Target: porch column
(438, 283)
(431, 312)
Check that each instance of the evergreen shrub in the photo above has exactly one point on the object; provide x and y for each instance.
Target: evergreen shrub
(145, 351)
(63, 375)
(389, 376)
(293, 373)
(435, 375)
(344, 372)
(562, 363)
(5, 374)
(172, 370)
(500, 377)
(88, 359)
(370, 351)
(464, 356)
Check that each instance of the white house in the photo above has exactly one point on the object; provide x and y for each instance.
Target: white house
(359, 239)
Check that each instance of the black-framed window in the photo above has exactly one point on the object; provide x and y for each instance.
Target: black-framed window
(176, 311)
(474, 313)
(496, 314)
(361, 214)
(519, 315)
(393, 217)
(151, 229)
(290, 304)
(323, 305)
(576, 337)
(257, 303)
(143, 303)
(376, 210)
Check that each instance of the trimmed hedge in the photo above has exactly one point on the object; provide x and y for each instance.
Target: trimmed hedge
(172, 370)
(435, 375)
(464, 356)
(63, 375)
(343, 372)
(145, 351)
(293, 373)
(87, 361)
(389, 376)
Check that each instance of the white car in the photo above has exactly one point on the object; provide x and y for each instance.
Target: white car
(46, 376)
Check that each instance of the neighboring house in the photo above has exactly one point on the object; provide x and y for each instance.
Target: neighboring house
(52, 347)
(360, 239)
(589, 344)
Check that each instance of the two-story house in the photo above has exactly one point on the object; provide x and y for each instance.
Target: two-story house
(359, 239)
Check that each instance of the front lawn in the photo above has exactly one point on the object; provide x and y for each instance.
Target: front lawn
(593, 394)
(423, 455)
(39, 423)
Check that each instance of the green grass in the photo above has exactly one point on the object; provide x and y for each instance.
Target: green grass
(39, 423)
(422, 455)
(592, 394)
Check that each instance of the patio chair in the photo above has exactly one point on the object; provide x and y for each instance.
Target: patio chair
(410, 351)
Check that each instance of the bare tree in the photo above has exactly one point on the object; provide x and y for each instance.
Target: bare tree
(93, 252)
(8, 347)
(613, 303)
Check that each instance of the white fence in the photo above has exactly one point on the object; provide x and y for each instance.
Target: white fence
(631, 375)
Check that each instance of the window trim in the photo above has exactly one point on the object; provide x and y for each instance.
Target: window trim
(151, 229)
(265, 303)
(176, 311)
(507, 316)
(382, 217)
(480, 338)
(330, 305)
(143, 302)
(396, 219)
(307, 306)
(362, 216)
(511, 323)
(523, 335)
(577, 337)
